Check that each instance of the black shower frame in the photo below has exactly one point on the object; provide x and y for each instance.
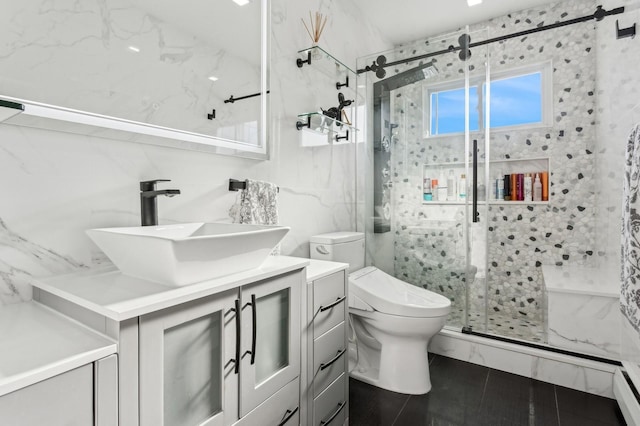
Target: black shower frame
(465, 39)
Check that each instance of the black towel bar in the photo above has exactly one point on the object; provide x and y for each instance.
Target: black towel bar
(236, 185)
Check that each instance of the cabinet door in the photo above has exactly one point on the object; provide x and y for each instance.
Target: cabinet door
(187, 364)
(270, 338)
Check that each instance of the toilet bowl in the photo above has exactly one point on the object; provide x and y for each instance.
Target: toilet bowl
(392, 320)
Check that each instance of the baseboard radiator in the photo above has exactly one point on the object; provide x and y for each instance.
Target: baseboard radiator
(626, 383)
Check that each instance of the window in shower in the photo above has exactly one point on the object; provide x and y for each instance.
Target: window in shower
(518, 98)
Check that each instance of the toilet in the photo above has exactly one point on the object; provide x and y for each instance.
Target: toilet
(392, 320)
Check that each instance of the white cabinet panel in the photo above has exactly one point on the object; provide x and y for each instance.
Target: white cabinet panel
(105, 373)
(187, 358)
(330, 406)
(328, 303)
(281, 409)
(270, 338)
(63, 400)
(329, 358)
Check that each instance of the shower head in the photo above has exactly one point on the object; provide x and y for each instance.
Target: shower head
(405, 78)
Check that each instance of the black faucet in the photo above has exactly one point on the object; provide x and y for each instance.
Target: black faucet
(149, 202)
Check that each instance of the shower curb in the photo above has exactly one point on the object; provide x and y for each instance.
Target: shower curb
(557, 368)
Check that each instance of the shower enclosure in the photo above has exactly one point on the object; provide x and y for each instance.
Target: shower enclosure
(509, 129)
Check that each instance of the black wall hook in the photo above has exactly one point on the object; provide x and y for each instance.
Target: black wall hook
(346, 136)
(301, 124)
(300, 62)
(345, 84)
(212, 115)
(625, 32)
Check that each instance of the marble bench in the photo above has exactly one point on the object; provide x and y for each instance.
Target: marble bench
(583, 309)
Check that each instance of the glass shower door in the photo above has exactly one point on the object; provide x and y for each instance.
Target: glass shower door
(425, 116)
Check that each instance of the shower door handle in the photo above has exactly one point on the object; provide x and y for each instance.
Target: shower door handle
(476, 214)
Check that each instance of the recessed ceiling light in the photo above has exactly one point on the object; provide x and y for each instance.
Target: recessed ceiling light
(241, 2)
(134, 49)
(213, 78)
(473, 2)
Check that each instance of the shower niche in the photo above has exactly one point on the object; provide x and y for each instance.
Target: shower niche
(503, 177)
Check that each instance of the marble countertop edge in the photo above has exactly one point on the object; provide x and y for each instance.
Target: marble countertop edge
(31, 377)
(76, 288)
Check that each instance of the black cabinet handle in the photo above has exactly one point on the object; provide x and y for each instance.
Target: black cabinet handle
(476, 215)
(254, 314)
(325, 365)
(287, 416)
(338, 301)
(237, 361)
(333, 416)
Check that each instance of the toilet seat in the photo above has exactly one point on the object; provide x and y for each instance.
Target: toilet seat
(390, 295)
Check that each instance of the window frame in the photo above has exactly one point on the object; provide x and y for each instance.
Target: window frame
(478, 80)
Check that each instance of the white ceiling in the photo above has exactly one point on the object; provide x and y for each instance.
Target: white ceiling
(402, 21)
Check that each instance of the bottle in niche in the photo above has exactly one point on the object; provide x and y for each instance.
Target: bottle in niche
(507, 187)
(537, 189)
(442, 188)
(499, 188)
(451, 187)
(482, 189)
(528, 187)
(426, 190)
(462, 187)
(434, 189)
(520, 187)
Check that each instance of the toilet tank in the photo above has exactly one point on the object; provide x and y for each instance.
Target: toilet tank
(345, 247)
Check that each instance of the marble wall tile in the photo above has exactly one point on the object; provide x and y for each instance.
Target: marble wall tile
(56, 185)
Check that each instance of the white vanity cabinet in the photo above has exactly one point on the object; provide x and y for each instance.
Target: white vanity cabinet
(187, 375)
(54, 371)
(215, 353)
(213, 360)
(270, 350)
(325, 391)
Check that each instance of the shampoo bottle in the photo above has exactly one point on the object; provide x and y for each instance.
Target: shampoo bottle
(537, 189)
(442, 188)
(462, 187)
(499, 188)
(451, 187)
(426, 190)
(434, 189)
(528, 187)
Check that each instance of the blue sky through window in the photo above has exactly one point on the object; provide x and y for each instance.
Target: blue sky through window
(447, 111)
(514, 101)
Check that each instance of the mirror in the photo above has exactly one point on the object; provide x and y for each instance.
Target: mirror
(194, 70)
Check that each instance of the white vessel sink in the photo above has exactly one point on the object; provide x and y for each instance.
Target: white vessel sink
(187, 253)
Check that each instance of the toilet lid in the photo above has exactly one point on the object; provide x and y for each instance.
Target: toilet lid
(389, 295)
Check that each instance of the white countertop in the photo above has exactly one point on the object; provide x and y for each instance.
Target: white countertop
(602, 281)
(110, 293)
(37, 343)
(321, 268)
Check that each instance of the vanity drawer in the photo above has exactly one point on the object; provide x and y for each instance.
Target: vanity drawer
(281, 409)
(329, 358)
(330, 407)
(329, 303)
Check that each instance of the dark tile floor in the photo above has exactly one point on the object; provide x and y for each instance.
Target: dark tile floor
(469, 394)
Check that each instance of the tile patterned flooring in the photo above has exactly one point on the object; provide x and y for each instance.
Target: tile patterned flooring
(469, 394)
